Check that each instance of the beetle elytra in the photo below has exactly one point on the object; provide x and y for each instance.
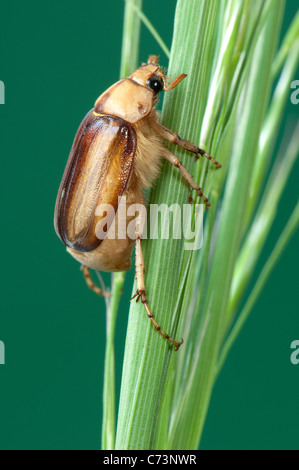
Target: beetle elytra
(117, 152)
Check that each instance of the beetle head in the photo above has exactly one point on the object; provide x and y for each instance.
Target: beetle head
(133, 98)
(152, 76)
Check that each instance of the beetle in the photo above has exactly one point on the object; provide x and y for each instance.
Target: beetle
(117, 152)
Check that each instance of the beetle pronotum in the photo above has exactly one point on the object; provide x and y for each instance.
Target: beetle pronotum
(117, 152)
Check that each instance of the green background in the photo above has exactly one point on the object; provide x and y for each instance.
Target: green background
(56, 58)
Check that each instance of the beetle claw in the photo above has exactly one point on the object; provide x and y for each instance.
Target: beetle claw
(138, 295)
(132, 298)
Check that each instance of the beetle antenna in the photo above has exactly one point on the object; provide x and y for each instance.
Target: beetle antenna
(175, 82)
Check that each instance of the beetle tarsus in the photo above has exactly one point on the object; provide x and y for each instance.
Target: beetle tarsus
(140, 295)
(203, 153)
(179, 343)
(136, 295)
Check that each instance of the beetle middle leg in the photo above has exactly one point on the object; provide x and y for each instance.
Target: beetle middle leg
(170, 157)
(140, 293)
(92, 285)
(174, 138)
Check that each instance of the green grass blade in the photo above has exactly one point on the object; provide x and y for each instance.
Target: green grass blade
(288, 41)
(147, 356)
(150, 27)
(193, 405)
(262, 223)
(281, 245)
(131, 38)
(109, 418)
(270, 129)
(228, 52)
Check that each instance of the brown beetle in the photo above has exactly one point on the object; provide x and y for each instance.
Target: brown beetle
(117, 152)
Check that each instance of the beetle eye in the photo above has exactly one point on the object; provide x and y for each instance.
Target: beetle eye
(155, 83)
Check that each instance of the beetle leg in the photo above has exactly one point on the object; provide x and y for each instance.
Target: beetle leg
(186, 175)
(174, 138)
(140, 294)
(92, 285)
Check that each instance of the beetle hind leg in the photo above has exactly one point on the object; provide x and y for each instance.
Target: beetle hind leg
(140, 294)
(92, 285)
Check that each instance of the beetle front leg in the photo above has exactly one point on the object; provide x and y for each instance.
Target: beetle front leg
(92, 285)
(170, 157)
(174, 138)
(140, 293)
